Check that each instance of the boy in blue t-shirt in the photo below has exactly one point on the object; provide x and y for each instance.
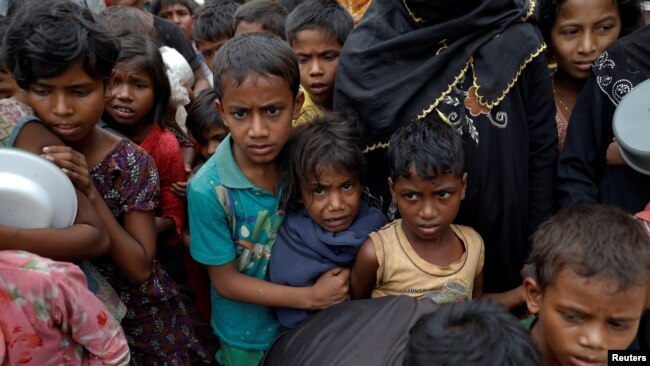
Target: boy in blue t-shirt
(233, 199)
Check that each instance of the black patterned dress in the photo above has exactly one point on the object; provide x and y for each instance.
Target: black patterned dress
(157, 326)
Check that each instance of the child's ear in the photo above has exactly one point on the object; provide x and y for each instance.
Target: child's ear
(464, 181)
(297, 104)
(392, 189)
(533, 295)
(219, 107)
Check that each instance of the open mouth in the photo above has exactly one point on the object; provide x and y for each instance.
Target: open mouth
(337, 221)
(317, 88)
(123, 112)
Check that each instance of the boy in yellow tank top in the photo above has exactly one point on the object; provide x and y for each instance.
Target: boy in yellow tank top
(424, 254)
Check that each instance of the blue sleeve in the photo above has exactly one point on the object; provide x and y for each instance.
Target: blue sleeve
(211, 241)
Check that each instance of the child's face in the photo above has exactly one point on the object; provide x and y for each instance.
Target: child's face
(582, 31)
(130, 95)
(258, 113)
(333, 200)
(8, 86)
(69, 104)
(214, 135)
(318, 57)
(427, 206)
(209, 49)
(180, 15)
(580, 318)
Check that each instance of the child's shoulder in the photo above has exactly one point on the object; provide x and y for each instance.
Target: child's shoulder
(206, 174)
(127, 154)
(161, 139)
(467, 234)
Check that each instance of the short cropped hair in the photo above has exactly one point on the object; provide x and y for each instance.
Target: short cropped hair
(630, 11)
(327, 16)
(123, 20)
(327, 141)
(203, 115)
(215, 20)
(158, 5)
(260, 54)
(431, 146)
(592, 240)
(471, 333)
(269, 14)
(290, 4)
(44, 39)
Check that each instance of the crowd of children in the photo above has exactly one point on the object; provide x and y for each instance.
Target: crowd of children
(308, 190)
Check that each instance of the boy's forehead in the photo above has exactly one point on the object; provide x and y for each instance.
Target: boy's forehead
(230, 81)
(431, 174)
(323, 35)
(567, 281)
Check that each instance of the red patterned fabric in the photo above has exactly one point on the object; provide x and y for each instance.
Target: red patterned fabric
(166, 153)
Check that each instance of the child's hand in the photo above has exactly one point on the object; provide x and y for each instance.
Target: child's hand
(185, 238)
(179, 188)
(72, 163)
(331, 288)
(613, 155)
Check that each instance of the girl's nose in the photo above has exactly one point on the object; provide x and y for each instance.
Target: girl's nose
(61, 106)
(336, 201)
(587, 43)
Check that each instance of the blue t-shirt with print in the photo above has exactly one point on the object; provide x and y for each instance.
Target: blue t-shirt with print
(232, 219)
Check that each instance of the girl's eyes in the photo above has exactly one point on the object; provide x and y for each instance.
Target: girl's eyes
(318, 191)
(569, 32)
(348, 186)
(605, 27)
(410, 196)
(273, 111)
(41, 92)
(443, 194)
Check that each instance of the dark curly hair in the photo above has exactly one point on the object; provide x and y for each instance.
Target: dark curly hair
(46, 37)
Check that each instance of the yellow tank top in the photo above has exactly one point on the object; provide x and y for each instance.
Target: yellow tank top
(309, 110)
(403, 272)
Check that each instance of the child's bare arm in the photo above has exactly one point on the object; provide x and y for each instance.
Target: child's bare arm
(364, 272)
(86, 238)
(133, 242)
(510, 299)
(331, 288)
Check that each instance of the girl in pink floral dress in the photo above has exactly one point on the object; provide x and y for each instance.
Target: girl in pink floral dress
(49, 317)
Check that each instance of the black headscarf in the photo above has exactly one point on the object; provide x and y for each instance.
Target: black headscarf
(624, 65)
(406, 56)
